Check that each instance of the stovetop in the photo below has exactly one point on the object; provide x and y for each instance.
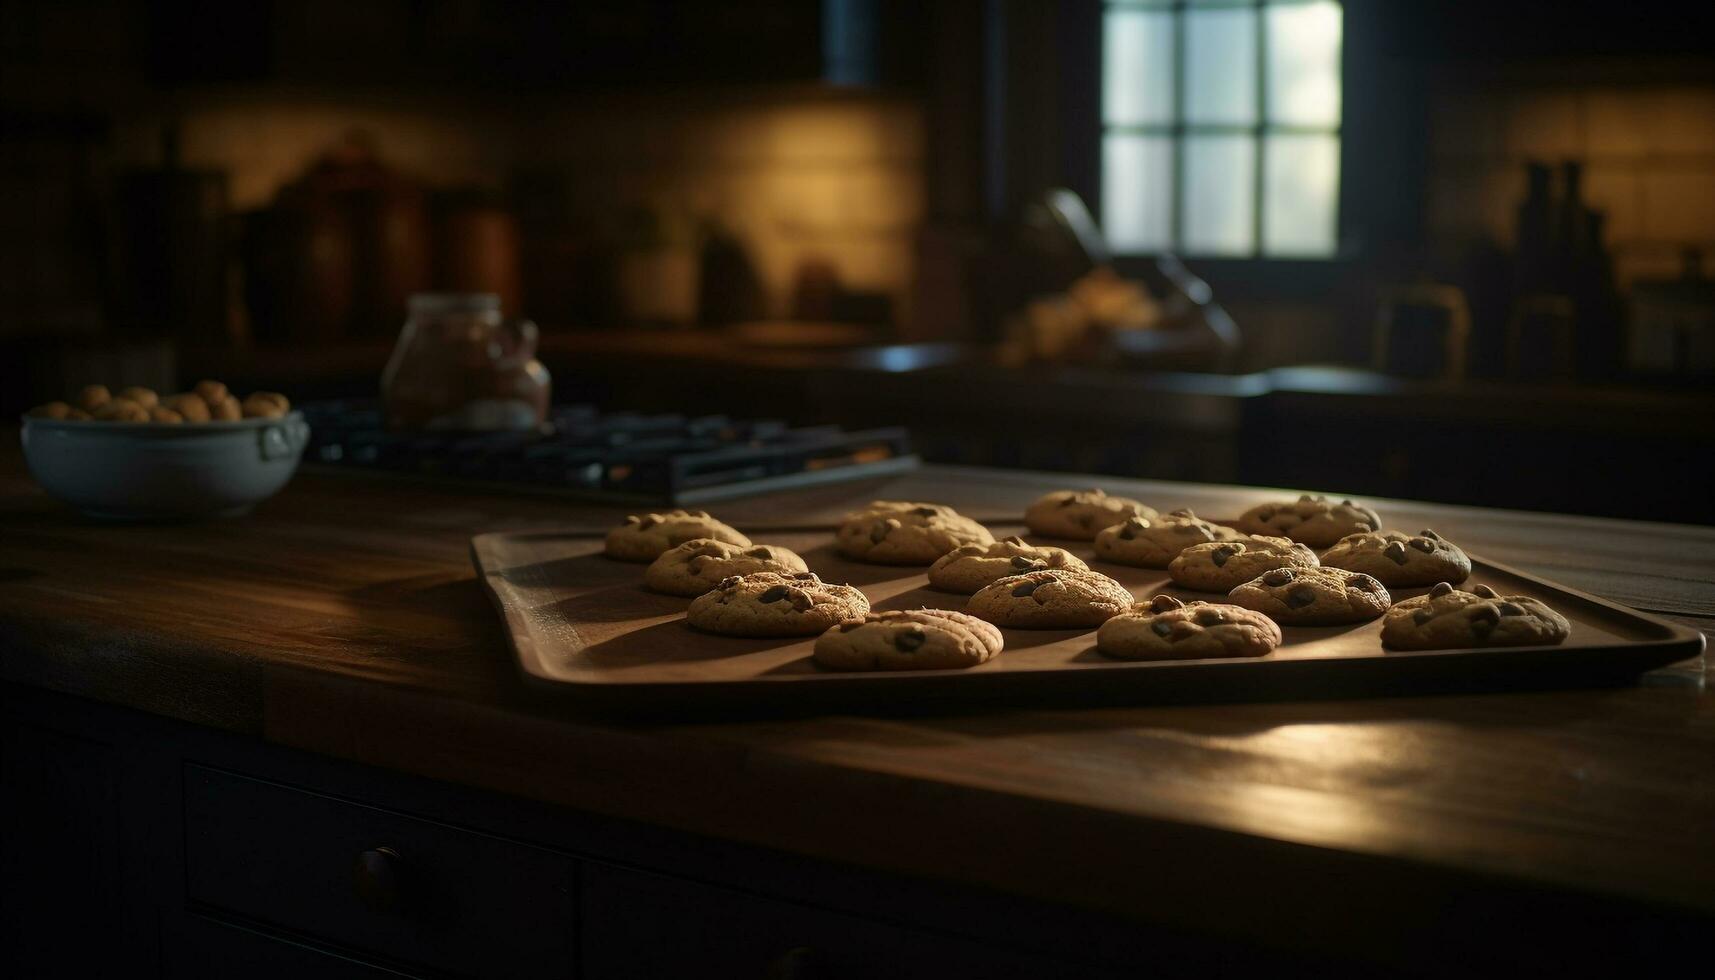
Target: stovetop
(621, 456)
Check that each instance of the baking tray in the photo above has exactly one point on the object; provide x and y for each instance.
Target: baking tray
(582, 625)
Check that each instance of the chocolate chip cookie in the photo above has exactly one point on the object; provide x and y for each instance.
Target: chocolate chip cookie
(1054, 598)
(898, 532)
(1217, 566)
(922, 639)
(1316, 521)
(1447, 618)
(697, 566)
(1313, 596)
(1079, 514)
(772, 604)
(1152, 542)
(645, 537)
(1396, 560)
(968, 568)
(1167, 629)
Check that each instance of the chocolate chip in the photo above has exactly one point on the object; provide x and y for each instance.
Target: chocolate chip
(1422, 616)
(1363, 583)
(1069, 501)
(648, 522)
(1221, 554)
(1511, 609)
(924, 511)
(1162, 603)
(1015, 539)
(1026, 562)
(1209, 617)
(698, 513)
(1345, 503)
(774, 594)
(1431, 535)
(910, 640)
(1278, 576)
(1127, 531)
(1484, 619)
(1195, 529)
(1305, 498)
(1441, 589)
(695, 565)
(804, 576)
(1485, 591)
(1396, 551)
(1182, 512)
(1300, 597)
(1161, 629)
(633, 519)
(1267, 513)
(762, 552)
(1424, 545)
(878, 532)
(1025, 587)
(730, 582)
(1086, 519)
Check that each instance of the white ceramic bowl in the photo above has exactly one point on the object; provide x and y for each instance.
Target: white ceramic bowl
(146, 471)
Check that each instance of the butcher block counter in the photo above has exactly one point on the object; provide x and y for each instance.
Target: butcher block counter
(335, 647)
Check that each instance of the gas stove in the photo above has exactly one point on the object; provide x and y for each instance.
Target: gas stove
(621, 457)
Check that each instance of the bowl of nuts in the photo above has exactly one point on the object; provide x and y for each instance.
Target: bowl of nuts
(135, 455)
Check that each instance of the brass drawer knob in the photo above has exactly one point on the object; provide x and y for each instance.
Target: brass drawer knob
(376, 879)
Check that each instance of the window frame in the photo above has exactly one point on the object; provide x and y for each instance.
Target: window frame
(1083, 44)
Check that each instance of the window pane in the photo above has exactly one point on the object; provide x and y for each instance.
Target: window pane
(1220, 175)
(1137, 185)
(1304, 63)
(1301, 196)
(1137, 67)
(1220, 66)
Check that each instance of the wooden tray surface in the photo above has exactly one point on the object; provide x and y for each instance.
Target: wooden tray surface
(582, 623)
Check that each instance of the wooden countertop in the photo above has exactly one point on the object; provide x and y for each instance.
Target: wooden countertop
(343, 618)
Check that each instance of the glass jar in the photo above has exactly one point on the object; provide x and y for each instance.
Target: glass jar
(459, 365)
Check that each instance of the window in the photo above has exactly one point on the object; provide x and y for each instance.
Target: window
(1221, 127)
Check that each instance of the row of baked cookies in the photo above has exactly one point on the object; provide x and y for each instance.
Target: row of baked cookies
(745, 589)
(1266, 566)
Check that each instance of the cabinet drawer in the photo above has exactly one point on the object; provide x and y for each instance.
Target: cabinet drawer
(199, 948)
(637, 924)
(377, 881)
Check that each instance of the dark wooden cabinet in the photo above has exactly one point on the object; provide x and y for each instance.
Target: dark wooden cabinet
(640, 925)
(193, 853)
(372, 880)
(59, 833)
(196, 947)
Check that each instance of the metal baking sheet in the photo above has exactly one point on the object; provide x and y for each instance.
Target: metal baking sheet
(582, 625)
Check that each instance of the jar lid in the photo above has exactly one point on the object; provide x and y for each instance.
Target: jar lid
(441, 304)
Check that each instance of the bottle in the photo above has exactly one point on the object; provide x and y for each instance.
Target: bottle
(1597, 299)
(1535, 231)
(1570, 228)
